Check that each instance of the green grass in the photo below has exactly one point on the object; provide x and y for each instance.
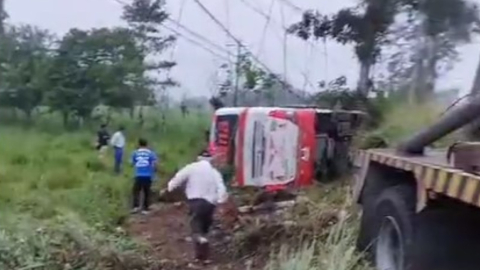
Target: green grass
(336, 252)
(61, 206)
(403, 121)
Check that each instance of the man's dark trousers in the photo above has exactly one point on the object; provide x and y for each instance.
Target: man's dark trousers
(201, 216)
(142, 184)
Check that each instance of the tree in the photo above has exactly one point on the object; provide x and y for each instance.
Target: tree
(145, 18)
(25, 62)
(444, 24)
(365, 26)
(97, 66)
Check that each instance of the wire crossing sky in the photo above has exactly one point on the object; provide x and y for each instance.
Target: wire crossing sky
(197, 65)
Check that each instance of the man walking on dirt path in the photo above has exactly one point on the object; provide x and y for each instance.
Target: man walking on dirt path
(118, 144)
(102, 140)
(204, 189)
(145, 161)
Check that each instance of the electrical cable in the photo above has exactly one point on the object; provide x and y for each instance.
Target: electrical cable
(293, 6)
(174, 47)
(192, 41)
(269, 19)
(255, 58)
(204, 39)
(285, 41)
(179, 18)
(265, 27)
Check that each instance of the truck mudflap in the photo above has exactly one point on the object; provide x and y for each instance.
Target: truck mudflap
(431, 179)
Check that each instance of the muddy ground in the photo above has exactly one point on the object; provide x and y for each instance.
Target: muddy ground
(244, 242)
(166, 230)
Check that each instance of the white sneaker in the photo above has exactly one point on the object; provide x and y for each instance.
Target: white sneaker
(202, 240)
(145, 212)
(135, 210)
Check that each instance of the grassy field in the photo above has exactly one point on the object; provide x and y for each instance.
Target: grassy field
(62, 208)
(60, 204)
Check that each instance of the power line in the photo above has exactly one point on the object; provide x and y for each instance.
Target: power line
(285, 40)
(238, 42)
(204, 39)
(192, 41)
(265, 27)
(180, 13)
(269, 18)
(293, 6)
(174, 47)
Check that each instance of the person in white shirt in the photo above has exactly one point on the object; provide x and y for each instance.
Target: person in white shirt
(204, 189)
(118, 144)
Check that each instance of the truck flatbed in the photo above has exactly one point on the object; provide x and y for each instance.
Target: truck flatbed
(437, 157)
(432, 171)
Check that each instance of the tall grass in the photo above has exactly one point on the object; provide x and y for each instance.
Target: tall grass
(60, 205)
(336, 252)
(404, 120)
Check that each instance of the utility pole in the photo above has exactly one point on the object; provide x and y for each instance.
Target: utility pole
(2, 17)
(237, 75)
(236, 84)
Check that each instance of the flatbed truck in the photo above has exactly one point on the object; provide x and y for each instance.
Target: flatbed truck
(421, 206)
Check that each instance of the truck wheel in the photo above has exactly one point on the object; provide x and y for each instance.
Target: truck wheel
(447, 239)
(394, 219)
(367, 231)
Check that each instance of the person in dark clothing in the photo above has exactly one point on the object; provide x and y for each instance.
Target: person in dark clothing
(144, 160)
(103, 138)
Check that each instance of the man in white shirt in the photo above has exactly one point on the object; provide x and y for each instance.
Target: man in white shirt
(204, 189)
(118, 144)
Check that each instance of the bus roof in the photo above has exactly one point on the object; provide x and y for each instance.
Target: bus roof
(238, 110)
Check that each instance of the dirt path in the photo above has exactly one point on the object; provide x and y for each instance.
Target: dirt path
(165, 230)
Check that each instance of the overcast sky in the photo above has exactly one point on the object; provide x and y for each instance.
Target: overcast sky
(197, 68)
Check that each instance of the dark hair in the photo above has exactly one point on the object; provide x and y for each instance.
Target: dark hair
(142, 142)
(121, 127)
(205, 153)
(103, 125)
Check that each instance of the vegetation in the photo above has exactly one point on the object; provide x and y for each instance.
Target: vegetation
(62, 207)
(76, 73)
(65, 203)
(433, 30)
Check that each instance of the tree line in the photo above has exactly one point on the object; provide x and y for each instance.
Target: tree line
(72, 74)
(424, 36)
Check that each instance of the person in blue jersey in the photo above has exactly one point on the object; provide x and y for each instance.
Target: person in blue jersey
(144, 161)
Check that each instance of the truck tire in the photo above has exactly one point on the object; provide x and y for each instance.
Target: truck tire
(394, 224)
(447, 239)
(367, 231)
